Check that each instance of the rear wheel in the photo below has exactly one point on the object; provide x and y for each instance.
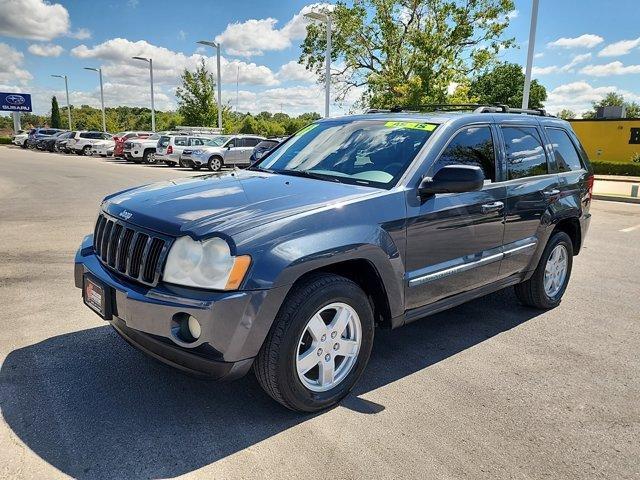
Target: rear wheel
(86, 151)
(319, 344)
(548, 283)
(215, 164)
(149, 157)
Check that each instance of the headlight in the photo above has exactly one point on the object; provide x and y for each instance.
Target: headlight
(206, 264)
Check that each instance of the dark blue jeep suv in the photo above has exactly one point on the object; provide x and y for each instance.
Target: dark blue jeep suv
(371, 220)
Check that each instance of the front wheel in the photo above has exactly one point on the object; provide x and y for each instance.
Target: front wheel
(149, 157)
(549, 281)
(319, 344)
(86, 151)
(215, 164)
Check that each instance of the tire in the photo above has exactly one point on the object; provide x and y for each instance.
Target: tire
(196, 167)
(276, 366)
(215, 164)
(532, 292)
(149, 157)
(86, 151)
(24, 144)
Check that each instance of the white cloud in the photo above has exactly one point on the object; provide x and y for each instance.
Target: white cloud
(578, 96)
(544, 70)
(538, 55)
(255, 36)
(622, 47)
(613, 68)
(33, 19)
(167, 64)
(513, 14)
(182, 35)
(576, 60)
(291, 100)
(11, 61)
(80, 34)
(295, 72)
(45, 50)
(588, 40)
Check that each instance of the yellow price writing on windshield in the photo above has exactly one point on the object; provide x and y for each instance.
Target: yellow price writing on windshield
(429, 127)
(306, 129)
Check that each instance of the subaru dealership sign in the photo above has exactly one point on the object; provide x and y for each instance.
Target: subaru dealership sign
(15, 102)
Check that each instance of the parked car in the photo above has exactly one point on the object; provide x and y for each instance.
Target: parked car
(142, 150)
(170, 147)
(265, 146)
(20, 138)
(49, 143)
(122, 137)
(104, 148)
(375, 219)
(215, 142)
(36, 134)
(236, 150)
(82, 142)
(61, 141)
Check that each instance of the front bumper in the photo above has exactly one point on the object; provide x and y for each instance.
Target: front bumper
(234, 324)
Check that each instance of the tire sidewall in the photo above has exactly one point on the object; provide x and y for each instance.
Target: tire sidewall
(217, 167)
(560, 238)
(290, 386)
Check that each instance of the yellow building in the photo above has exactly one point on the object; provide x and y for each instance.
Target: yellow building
(609, 140)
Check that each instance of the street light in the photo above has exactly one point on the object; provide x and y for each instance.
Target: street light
(217, 47)
(323, 17)
(153, 108)
(66, 87)
(532, 42)
(104, 121)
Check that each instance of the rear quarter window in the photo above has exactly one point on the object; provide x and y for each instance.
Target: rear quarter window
(565, 152)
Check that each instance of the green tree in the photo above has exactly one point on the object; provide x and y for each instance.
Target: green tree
(613, 99)
(407, 52)
(249, 125)
(196, 97)
(566, 114)
(55, 113)
(504, 84)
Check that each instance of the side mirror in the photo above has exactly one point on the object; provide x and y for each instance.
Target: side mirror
(452, 179)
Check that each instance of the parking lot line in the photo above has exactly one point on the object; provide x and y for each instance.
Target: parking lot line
(630, 229)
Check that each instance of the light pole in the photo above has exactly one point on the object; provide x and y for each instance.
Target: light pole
(104, 121)
(66, 87)
(219, 75)
(532, 44)
(323, 17)
(153, 108)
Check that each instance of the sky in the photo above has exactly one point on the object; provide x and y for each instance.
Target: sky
(584, 50)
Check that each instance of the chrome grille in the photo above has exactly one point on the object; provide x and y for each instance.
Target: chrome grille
(131, 251)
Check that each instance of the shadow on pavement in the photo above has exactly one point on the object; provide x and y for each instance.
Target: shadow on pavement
(93, 407)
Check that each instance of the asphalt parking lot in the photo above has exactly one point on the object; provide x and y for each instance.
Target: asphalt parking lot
(489, 389)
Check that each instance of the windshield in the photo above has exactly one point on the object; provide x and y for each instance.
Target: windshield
(155, 136)
(216, 142)
(366, 152)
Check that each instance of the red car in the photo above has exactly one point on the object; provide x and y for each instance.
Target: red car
(122, 137)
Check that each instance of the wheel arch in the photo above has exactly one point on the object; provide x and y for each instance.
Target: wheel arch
(570, 226)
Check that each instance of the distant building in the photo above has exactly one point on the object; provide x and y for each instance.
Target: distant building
(609, 139)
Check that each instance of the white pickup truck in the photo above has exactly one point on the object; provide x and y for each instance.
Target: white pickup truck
(139, 150)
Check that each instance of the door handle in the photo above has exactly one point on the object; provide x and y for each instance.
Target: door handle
(492, 207)
(551, 193)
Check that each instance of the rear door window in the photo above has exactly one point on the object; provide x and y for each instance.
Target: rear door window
(180, 141)
(525, 153)
(564, 150)
(164, 141)
(472, 146)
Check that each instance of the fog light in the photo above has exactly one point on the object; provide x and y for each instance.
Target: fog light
(194, 327)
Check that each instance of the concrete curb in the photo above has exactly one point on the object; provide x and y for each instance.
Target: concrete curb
(616, 198)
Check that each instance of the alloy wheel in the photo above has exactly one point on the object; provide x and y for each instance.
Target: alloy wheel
(328, 347)
(555, 271)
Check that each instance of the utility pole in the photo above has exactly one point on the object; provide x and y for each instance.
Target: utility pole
(104, 120)
(217, 47)
(153, 108)
(66, 87)
(532, 45)
(326, 18)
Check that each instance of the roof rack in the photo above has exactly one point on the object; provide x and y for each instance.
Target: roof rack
(457, 107)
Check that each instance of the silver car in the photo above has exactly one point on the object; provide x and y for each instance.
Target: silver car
(170, 147)
(236, 150)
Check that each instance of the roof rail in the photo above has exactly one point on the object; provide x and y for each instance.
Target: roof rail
(456, 107)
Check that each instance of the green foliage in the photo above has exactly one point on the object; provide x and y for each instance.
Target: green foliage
(196, 98)
(613, 99)
(566, 114)
(611, 168)
(407, 52)
(504, 84)
(55, 113)
(635, 158)
(5, 140)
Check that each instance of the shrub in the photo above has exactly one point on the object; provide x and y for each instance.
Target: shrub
(5, 140)
(635, 158)
(610, 168)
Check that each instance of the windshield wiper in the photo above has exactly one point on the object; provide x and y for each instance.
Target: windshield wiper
(308, 174)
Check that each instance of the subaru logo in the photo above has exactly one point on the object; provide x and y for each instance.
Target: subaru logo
(15, 99)
(125, 214)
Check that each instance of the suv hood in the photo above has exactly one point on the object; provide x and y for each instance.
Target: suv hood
(228, 203)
